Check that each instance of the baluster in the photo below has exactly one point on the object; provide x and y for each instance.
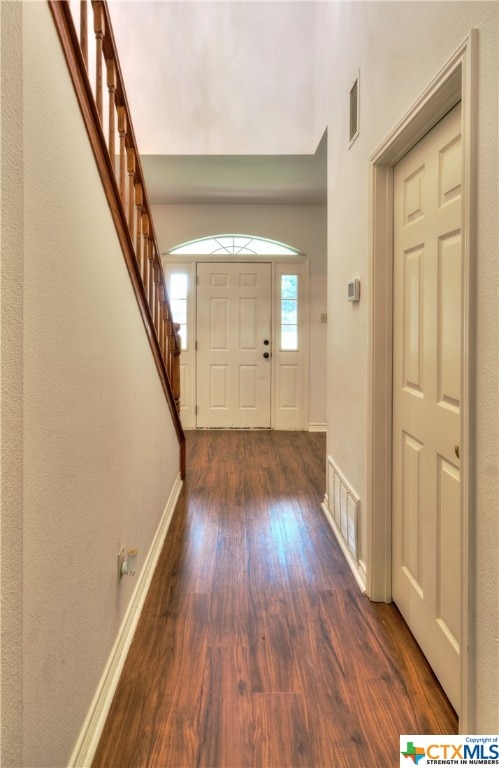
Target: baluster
(84, 31)
(151, 255)
(171, 356)
(111, 87)
(171, 341)
(165, 346)
(130, 153)
(145, 246)
(122, 135)
(99, 37)
(161, 321)
(169, 319)
(176, 365)
(157, 317)
(138, 228)
(154, 305)
(152, 295)
(158, 310)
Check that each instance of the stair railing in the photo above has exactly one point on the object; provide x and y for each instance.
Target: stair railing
(94, 66)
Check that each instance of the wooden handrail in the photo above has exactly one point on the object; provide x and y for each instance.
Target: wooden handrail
(108, 121)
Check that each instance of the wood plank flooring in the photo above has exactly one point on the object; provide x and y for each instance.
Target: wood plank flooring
(255, 648)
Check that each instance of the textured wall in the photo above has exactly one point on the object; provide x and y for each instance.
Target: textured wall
(303, 227)
(98, 455)
(399, 48)
(11, 389)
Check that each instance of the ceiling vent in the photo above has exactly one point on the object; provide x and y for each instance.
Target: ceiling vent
(354, 111)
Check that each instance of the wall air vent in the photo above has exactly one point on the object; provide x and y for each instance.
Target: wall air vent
(354, 111)
(343, 504)
(342, 510)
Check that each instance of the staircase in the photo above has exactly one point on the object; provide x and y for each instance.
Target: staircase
(89, 46)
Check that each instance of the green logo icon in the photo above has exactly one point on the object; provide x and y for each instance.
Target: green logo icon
(415, 753)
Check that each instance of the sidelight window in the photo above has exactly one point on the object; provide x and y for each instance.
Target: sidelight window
(289, 312)
(178, 295)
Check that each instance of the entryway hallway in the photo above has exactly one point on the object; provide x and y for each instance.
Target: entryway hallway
(255, 648)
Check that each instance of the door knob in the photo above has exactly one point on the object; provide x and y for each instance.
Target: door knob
(266, 355)
(266, 342)
(457, 450)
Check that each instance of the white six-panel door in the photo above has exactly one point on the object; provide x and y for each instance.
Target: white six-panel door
(233, 345)
(426, 529)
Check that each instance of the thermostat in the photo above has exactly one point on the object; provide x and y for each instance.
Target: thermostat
(353, 291)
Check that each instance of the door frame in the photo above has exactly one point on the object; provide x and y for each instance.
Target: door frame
(191, 261)
(456, 81)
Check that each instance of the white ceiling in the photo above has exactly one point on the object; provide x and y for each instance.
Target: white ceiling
(243, 179)
(221, 96)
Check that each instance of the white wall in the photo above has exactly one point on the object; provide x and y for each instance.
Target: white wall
(94, 455)
(399, 48)
(303, 227)
(211, 54)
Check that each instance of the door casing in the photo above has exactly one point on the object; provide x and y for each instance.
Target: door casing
(188, 264)
(455, 82)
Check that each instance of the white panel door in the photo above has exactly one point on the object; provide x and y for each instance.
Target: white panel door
(426, 396)
(233, 345)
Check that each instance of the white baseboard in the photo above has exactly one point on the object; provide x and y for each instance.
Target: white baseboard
(359, 576)
(317, 427)
(91, 731)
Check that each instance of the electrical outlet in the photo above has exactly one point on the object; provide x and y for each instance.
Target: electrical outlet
(121, 560)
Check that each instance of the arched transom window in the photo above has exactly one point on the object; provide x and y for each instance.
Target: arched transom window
(233, 245)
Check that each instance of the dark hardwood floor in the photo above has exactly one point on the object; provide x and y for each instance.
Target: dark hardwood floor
(255, 648)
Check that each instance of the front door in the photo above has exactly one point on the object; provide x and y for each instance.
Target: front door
(426, 527)
(233, 345)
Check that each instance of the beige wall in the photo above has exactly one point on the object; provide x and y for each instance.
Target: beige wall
(399, 48)
(93, 455)
(11, 388)
(301, 226)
